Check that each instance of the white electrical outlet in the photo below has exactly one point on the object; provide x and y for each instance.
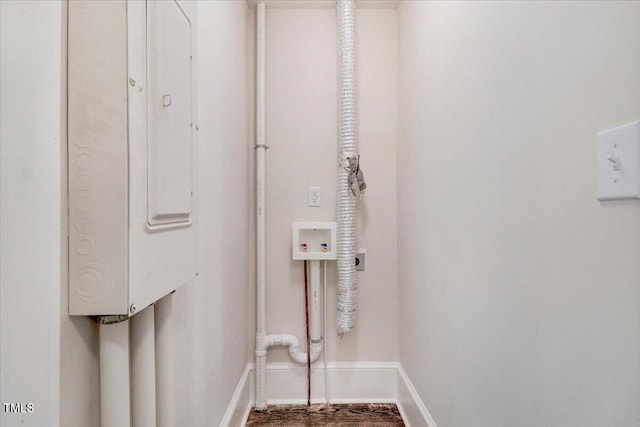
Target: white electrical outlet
(314, 196)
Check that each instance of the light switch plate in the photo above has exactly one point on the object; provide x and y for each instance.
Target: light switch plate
(618, 162)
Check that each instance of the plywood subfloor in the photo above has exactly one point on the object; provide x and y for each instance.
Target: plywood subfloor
(367, 414)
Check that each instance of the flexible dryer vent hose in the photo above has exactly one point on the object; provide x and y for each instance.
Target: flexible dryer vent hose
(347, 147)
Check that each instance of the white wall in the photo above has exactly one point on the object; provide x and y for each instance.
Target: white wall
(301, 129)
(79, 367)
(518, 289)
(210, 314)
(212, 334)
(30, 207)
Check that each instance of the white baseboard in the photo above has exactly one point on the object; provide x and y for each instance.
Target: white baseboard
(413, 410)
(241, 402)
(350, 382)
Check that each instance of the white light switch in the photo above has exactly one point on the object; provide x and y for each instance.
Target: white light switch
(618, 162)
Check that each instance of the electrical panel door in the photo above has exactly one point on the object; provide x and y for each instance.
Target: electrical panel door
(169, 109)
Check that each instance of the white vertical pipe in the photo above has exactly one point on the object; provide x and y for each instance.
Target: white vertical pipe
(261, 352)
(165, 384)
(347, 147)
(114, 375)
(314, 303)
(324, 330)
(143, 374)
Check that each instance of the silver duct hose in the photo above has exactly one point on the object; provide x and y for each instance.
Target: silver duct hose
(348, 154)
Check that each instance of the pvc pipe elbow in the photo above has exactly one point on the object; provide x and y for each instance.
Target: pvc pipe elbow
(301, 356)
(290, 341)
(293, 343)
(296, 355)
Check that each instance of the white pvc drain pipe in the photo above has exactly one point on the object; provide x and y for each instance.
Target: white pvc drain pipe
(261, 331)
(115, 409)
(165, 380)
(143, 369)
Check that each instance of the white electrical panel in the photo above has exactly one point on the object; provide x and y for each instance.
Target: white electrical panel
(314, 240)
(132, 154)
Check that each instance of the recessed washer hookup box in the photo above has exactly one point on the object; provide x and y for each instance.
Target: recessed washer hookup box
(314, 240)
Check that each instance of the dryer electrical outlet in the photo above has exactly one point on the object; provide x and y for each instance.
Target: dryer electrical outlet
(132, 154)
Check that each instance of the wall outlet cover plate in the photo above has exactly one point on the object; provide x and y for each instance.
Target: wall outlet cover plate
(618, 162)
(314, 196)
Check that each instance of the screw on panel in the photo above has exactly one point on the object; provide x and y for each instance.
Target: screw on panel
(132, 82)
(133, 308)
(197, 272)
